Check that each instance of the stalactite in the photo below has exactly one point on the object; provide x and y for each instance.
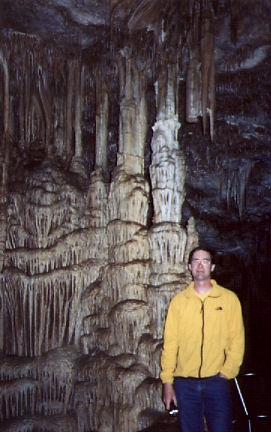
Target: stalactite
(149, 347)
(129, 320)
(212, 99)
(37, 124)
(168, 243)
(192, 238)
(118, 276)
(193, 85)
(69, 104)
(43, 87)
(29, 275)
(40, 387)
(102, 105)
(46, 296)
(166, 94)
(4, 158)
(207, 72)
(200, 80)
(132, 123)
(4, 63)
(234, 184)
(78, 164)
(27, 98)
(19, 389)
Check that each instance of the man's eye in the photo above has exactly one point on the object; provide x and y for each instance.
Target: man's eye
(204, 261)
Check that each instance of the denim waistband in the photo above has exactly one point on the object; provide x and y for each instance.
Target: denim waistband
(195, 378)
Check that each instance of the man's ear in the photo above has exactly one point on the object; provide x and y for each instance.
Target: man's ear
(212, 267)
(189, 266)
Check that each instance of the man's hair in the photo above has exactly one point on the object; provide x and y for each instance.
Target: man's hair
(199, 248)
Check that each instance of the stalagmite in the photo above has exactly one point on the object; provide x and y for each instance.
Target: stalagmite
(167, 169)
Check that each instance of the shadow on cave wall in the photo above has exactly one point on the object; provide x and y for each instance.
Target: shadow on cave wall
(251, 284)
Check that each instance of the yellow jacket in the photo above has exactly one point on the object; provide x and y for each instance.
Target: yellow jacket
(202, 339)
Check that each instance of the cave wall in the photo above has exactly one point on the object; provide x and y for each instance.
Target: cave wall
(92, 249)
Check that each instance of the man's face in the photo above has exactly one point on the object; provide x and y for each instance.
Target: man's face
(201, 266)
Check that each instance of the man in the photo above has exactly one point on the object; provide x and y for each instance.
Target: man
(203, 349)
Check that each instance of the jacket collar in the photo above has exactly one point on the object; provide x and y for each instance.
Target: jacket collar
(216, 291)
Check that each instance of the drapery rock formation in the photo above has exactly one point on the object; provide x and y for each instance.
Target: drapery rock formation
(86, 277)
(130, 132)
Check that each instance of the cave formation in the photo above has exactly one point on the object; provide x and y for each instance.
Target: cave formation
(130, 132)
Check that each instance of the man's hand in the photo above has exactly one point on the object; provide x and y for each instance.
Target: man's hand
(169, 395)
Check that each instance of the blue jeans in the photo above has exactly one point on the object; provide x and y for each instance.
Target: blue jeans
(199, 397)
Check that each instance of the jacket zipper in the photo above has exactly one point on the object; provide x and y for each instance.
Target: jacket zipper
(202, 337)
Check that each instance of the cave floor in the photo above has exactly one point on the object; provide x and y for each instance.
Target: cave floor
(167, 424)
(257, 425)
(241, 424)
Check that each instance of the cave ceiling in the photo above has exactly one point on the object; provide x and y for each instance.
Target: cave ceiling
(228, 182)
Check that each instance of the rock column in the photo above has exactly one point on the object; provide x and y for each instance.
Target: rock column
(167, 237)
